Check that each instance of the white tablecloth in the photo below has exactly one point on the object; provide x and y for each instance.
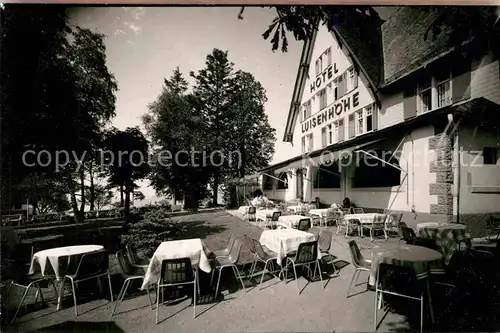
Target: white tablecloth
(291, 221)
(265, 214)
(299, 209)
(243, 209)
(369, 218)
(192, 248)
(54, 262)
(326, 213)
(425, 225)
(284, 241)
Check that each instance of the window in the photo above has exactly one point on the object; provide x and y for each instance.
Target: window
(369, 118)
(360, 121)
(317, 67)
(443, 88)
(303, 144)
(327, 176)
(341, 134)
(328, 56)
(351, 127)
(371, 172)
(352, 79)
(310, 142)
(322, 99)
(329, 94)
(490, 155)
(306, 110)
(341, 85)
(335, 89)
(425, 94)
(336, 131)
(267, 183)
(323, 137)
(283, 181)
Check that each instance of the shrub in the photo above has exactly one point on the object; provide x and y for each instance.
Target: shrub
(156, 227)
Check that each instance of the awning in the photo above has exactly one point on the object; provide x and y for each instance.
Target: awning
(326, 157)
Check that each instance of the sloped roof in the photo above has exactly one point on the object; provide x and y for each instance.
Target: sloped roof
(404, 46)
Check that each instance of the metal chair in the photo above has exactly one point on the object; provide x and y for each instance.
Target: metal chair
(380, 290)
(129, 273)
(251, 213)
(230, 260)
(392, 221)
(267, 257)
(343, 223)
(360, 264)
(272, 222)
(307, 254)
(400, 226)
(325, 243)
(304, 225)
(92, 266)
(134, 259)
(19, 276)
(225, 252)
(374, 227)
(176, 272)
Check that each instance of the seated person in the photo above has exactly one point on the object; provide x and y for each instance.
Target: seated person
(260, 200)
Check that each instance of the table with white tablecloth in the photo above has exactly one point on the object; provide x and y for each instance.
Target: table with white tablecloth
(283, 241)
(291, 221)
(265, 214)
(186, 248)
(327, 214)
(367, 219)
(60, 261)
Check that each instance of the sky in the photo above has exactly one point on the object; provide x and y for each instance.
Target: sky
(145, 44)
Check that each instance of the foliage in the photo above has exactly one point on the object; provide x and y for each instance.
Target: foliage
(103, 196)
(234, 188)
(57, 94)
(302, 20)
(44, 193)
(156, 227)
(125, 159)
(176, 129)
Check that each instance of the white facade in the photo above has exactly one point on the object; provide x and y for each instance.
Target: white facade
(477, 188)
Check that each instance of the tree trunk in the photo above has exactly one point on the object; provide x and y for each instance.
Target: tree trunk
(215, 190)
(92, 188)
(121, 196)
(127, 202)
(81, 213)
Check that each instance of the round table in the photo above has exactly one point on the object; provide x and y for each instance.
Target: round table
(422, 260)
(57, 261)
(447, 236)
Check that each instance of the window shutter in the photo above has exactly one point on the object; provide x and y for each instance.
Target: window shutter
(351, 128)
(461, 80)
(341, 131)
(410, 103)
(375, 117)
(355, 80)
(323, 137)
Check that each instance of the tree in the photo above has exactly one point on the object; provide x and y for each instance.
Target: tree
(126, 160)
(58, 94)
(178, 130)
(249, 132)
(212, 90)
(302, 20)
(102, 197)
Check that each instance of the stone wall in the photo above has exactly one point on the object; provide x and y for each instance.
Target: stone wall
(442, 166)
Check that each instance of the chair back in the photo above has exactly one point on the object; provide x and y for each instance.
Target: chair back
(235, 251)
(177, 270)
(304, 224)
(249, 242)
(259, 250)
(408, 234)
(132, 254)
(276, 216)
(396, 216)
(307, 252)
(92, 264)
(124, 262)
(345, 210)
(358, 210)
(252, 210)
(325, 240)
(356, 255)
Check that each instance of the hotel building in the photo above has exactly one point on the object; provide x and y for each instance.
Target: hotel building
(390, 119)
